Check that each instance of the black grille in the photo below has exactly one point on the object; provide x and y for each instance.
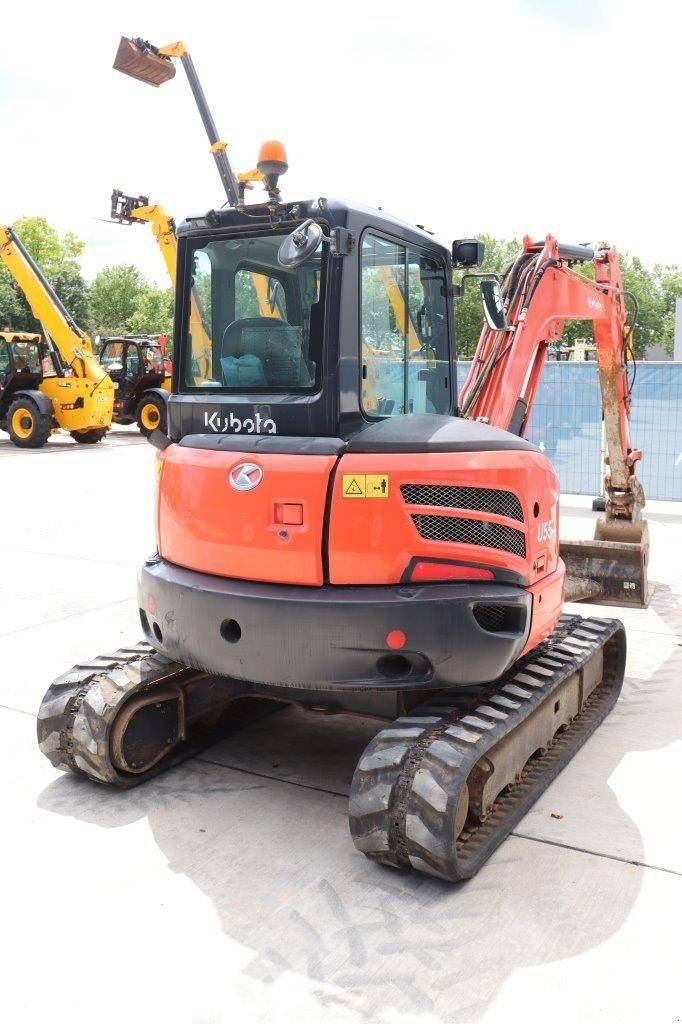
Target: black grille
(499, 618)
(471, 531)
(478, 499)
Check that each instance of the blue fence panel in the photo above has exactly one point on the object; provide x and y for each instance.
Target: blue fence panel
(566, 424)
(656, 428)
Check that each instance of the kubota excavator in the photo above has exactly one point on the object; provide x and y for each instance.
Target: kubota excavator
(76, 394)
(393, 554)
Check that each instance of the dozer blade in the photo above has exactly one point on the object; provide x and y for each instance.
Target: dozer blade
(612, 568)
(143, 64)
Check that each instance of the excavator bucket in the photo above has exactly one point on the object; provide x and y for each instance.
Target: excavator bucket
(612, 568)
(141, 63)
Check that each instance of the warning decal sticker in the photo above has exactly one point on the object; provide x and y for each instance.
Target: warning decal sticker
(360, 485)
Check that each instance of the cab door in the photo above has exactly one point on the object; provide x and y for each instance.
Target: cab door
(112, 359)
(5, 368)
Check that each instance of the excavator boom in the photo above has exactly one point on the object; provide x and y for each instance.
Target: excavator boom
(541, 292)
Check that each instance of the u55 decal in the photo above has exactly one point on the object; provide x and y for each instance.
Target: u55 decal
(546, 530)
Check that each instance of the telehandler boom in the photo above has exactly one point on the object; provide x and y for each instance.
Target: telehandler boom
(335, 530)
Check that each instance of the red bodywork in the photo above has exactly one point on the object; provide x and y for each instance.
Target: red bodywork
(299, 526)
(206, 525)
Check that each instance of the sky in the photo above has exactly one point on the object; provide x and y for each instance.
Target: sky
(509, 118)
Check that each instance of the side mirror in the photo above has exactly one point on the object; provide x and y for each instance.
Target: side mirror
(467, 252)
(493, 306)
(300, 245)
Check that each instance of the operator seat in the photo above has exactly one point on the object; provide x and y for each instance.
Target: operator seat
(263, 352)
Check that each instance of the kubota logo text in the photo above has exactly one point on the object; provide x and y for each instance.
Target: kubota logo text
(232, 424)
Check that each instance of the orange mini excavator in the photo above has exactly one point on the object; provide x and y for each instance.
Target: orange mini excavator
(336, 529)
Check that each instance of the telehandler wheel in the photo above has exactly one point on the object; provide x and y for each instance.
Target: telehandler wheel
(151, 414)
(87, 436)
(27, 426)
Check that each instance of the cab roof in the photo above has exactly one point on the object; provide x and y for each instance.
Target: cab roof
(10, 336)
(336, 212)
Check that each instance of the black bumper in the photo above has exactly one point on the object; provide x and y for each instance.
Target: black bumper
(318, 638)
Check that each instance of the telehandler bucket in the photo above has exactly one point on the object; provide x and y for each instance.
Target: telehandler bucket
(143, 64)
(612, 568)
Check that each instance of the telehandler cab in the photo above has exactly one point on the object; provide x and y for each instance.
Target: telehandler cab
(25, 413)
(337, 529)
(136, 366)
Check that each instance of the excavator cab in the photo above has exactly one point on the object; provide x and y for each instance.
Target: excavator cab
(24, 412)
(284, 332)
(136, 366)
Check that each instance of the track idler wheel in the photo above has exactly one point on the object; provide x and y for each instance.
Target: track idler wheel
(122, 718)
(147, 728)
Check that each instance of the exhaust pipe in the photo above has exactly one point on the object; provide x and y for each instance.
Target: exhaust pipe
(139, 60)
(612, 568)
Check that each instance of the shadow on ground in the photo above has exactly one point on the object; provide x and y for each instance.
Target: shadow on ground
(258, 823)
(116, 437)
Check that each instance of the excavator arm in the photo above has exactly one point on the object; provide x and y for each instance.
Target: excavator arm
(540, 292)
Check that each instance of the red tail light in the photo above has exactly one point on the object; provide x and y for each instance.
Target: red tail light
(425, 572)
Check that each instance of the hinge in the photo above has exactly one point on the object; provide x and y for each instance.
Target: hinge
(341, 242)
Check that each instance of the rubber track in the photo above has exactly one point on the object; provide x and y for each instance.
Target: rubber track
(78, 710)
(407, 784)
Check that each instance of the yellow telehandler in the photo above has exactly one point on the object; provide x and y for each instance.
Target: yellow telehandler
(69, 388)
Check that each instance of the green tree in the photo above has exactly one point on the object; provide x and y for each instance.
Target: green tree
(655, 292)
(154, 312)
(12, 310)
(114, 297)
(58, 257)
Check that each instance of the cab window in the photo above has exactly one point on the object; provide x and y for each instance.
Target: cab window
(132, 367)
(4, 361)
(404, 329)
(27, 357)
(258, 295)
(111, 357)
(153, 359)
(252, 326)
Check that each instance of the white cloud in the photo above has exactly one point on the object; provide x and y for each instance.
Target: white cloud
(506, 117)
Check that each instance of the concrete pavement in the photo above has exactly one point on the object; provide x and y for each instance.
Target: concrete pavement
(229, 889)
